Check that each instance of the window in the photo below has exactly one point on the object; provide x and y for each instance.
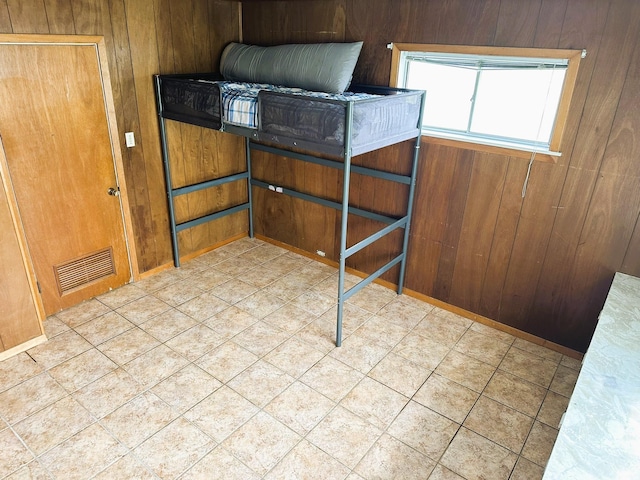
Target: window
(513, 98)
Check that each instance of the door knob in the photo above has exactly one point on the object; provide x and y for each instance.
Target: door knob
(115, 192)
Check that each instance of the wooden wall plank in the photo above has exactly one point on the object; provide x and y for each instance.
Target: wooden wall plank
(534, 241)
(28, 16)
(517, 22)
(631, 261)
(5, 19)
(477, 230)
(60, 17)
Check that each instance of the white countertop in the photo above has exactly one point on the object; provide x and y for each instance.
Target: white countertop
(600, 433)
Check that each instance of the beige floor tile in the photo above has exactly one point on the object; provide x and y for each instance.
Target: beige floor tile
(54, 424)
(82, 370)
(230, 322)
(203, 307)
(103, 328)
(260, 304)
(263, 253)
(311, 273)
(390, 458)
(221, 413)
(168, 324)
(526, 470)
(261, 442)
(139, 419)
(195, 342)
(209, 278)
(465, 370)
(450, 316)
(83, 455)
(159, 280)
(446, 398)
(60, 348)
(443, 473)
(423, 429)
(187, 387)
(261, 383)
(572, 363)
(155, 365)
(552, 409)
(121, 296)
(360, 352)
(286, 288)
(492, 332)
(54, 326)
(300, 408)
(14, 453)
(564, 381)
(227, 361)
(235, 266)
(309, 462)
(178, 293)
(400, 374)
(344, 436)
(320, 334)
(352, 318)
(374, 402)
(108, 393)
(314, 302)
(83, 312)
(289, 318)
(537, 350)
(503, 425)
(329, 286)
(528, 366)
(260, 338)
(294, 357)
(234, 290)
(476, 458)
(332, 378)
(437, 329)
(29, 396)
(421, 350)
(402, 314)
(143, 309)
(128, 345)
(515, 392)
(481, 347)
(17, 369)
(372, 298)
(381, 329)
(261, 276)
(32, 471)
(126, 468)
(220, 465)
(174, 449)
(539, 443)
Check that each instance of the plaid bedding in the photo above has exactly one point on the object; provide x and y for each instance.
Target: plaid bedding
(240, 100)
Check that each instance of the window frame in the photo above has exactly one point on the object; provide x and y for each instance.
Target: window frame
(573, 57)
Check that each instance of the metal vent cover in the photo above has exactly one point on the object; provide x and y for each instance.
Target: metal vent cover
(83, 270)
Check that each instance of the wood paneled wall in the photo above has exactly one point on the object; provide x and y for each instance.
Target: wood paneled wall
(146, 37)
(542, 263)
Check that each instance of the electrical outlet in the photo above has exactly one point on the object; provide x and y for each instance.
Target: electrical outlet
(321, 253)
(130, 139)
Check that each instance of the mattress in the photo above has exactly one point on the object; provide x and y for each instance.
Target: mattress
(240, 100)
(292, 117)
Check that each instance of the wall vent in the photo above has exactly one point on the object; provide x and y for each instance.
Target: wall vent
(83, 270)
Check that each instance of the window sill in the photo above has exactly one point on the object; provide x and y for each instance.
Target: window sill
(540, 156)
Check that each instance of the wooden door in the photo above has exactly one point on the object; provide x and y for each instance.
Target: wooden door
(59, 144)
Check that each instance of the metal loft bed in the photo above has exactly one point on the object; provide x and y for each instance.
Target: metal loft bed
(342, 127)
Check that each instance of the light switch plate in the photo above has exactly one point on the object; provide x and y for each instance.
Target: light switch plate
(129, 139)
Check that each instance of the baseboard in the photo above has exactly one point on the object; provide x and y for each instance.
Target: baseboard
(23, 347)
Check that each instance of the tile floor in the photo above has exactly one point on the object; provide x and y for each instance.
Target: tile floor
(226, 368)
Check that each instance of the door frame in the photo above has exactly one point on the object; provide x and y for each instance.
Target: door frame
(97, 41)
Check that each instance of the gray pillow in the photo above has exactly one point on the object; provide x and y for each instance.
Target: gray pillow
(321, 67)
